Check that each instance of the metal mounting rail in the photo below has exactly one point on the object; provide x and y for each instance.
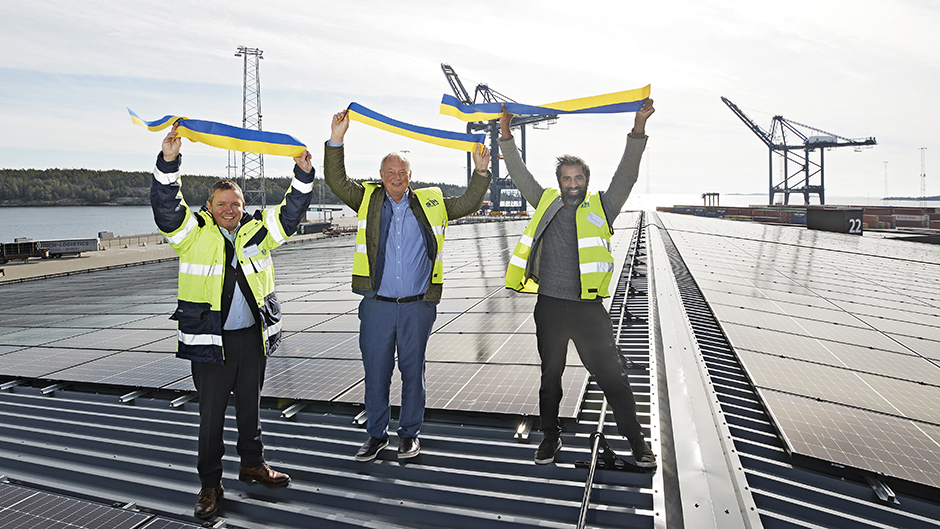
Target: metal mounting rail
(623, 289)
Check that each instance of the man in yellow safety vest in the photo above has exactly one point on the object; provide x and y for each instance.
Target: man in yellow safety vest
(564, 256)
(228, 315)
(398, 269)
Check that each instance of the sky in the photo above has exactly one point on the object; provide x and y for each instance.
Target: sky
(857, 69)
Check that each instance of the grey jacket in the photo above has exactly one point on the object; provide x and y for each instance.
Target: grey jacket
(554, 263)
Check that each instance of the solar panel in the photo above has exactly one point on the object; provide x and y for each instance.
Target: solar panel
(152, 370)
(922, 346)
(340, 323)
(18, 321)
(831, 330)
(96, 321)
(303, 306)
(521, 303)
(38, 336)
(150, 308)
(158, 322)
(166, 345)
(491, 323)
(447, 385)
(299, 322)
(22, 508)
(114, 339)
(882, 443)
(39, 361)
(494, 348)
(320, 344)
(314, 379)
(455, 306)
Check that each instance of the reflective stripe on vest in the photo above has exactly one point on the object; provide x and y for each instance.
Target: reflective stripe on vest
(595, 261)
(432, 203)
(201, 269)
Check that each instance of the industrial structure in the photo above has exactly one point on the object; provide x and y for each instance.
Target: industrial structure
(252, 163)
(796, 143)
(504, 196)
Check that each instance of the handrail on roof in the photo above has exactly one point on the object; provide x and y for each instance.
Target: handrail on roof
(596, 439)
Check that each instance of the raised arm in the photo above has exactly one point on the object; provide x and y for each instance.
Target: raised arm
(471, 200)
(525, 182)
(170, 212)
(334, 164)
(628, 170)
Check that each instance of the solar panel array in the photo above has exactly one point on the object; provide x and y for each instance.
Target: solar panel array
(24, 508)
(840, 334)
(112, 327)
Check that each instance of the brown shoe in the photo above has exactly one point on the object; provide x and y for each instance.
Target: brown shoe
(264, 475)
(208, 502)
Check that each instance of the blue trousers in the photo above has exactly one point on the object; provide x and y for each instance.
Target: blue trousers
(383, 328)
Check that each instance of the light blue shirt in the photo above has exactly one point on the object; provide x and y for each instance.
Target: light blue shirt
(407, 267)
(239, 314)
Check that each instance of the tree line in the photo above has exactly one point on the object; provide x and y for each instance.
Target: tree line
(88, 187)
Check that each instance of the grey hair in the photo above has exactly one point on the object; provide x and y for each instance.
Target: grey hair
(395, 154)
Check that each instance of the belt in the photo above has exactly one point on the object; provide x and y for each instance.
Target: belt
(408, 299)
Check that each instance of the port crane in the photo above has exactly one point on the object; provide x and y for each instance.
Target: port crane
(504, 196)
(796, 143)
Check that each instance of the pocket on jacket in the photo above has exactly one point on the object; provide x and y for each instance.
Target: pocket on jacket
(192, 317)
(272, 310)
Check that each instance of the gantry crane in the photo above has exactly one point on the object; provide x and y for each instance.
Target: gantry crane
(503, 194)
(799, 181)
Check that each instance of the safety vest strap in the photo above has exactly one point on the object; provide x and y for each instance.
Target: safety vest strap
(432, 204)
(596, 263)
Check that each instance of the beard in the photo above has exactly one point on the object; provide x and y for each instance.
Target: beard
(573, 199)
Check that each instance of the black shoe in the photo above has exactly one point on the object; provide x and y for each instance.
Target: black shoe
(371, 448)
(408, 447)
(546, 451)
(208, 502)
(643, 454)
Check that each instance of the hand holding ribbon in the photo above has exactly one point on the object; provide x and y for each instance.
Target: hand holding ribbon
(626, 101)
(226, 136)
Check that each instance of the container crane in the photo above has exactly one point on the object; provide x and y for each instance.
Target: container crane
(786, 139)
(504, 196)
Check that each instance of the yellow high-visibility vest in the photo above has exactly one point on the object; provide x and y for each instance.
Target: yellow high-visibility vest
(432, 203)
(594, 258)
(201, 248)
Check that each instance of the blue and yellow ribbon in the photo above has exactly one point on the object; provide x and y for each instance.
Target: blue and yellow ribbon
(226, 136)
(453, 140)
(626, 101)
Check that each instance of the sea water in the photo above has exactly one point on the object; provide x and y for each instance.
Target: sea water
(76, 222)
(80, 222)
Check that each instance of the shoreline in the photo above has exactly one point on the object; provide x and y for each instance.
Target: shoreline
(120, 252)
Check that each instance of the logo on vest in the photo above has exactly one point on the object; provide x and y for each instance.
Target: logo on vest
(431, 202)
(585, 204)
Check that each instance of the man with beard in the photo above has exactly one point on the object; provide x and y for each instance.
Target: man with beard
(564, 256)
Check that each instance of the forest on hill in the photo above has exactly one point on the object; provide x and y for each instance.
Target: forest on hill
(87, 187)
